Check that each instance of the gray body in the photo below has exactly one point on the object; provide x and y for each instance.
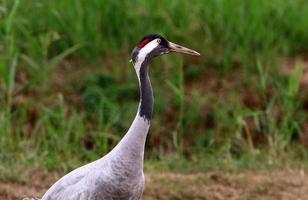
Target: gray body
(118, 175)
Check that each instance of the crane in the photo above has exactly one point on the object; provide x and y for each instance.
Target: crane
(119, 174)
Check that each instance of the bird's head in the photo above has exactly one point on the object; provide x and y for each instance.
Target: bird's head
(153, 45)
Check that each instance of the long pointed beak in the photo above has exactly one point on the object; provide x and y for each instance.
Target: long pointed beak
(180, 49)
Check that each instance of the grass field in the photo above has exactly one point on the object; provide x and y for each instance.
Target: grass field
(68, 92)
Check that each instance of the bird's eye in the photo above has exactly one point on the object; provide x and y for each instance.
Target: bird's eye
(158, 40)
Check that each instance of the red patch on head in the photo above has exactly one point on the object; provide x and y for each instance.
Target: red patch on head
(143, 43)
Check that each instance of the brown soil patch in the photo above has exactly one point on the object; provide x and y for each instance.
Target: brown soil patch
(207, 186)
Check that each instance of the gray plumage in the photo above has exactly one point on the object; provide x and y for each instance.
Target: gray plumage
(119, 174)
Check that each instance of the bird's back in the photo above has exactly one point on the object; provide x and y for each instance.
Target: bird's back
(96, 181)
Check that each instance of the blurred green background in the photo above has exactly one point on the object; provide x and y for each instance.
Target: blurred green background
(68, 92)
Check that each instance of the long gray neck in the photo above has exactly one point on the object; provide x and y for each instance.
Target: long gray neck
(130, 150)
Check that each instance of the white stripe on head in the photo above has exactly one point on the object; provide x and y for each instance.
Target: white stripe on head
(144, 52)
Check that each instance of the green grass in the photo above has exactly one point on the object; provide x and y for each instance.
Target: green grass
(228, 31)
(41, 123)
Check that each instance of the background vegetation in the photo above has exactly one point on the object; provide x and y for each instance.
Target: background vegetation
(68, 92)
